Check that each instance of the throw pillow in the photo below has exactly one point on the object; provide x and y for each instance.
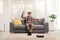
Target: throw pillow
(17, 22)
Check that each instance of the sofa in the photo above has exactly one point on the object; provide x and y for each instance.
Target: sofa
(39, 27)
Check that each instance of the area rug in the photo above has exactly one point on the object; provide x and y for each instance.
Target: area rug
(25, 37)
(29, 39)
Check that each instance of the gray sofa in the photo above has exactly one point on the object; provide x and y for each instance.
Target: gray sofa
(39, 27)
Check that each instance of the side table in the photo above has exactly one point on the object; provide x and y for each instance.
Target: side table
(51, 26)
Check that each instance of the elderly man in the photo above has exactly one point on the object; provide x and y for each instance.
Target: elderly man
(29, 21)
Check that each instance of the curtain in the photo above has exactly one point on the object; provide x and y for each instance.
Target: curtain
(37, 7)
(1, 15)
(58, 14)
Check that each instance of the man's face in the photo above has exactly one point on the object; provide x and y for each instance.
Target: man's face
(29, 13)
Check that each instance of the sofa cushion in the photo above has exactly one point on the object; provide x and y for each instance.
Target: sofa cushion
(35, 22)
(42, 21)
(20, 27)
(37, 27)
(23, 27)
(39, 22)
(23, 22)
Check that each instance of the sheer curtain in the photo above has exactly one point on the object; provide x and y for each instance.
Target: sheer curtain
(18, 6)
(1, 15)
(37, 7)
(58, 14)
(40, 8)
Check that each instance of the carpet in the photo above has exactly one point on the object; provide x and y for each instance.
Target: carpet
(25, 37)
(28, 39)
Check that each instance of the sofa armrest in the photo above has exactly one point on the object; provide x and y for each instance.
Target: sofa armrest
(11, 27)
(46, 26)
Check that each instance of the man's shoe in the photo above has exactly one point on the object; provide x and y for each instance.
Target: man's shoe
(29, 34)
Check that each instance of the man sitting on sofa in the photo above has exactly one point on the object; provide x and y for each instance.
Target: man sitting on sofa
(29, 21)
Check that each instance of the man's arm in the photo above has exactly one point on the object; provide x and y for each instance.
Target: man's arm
(36, 19)
(22, 16)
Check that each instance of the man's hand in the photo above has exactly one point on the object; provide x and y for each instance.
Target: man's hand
(23, 12)
(23, 15)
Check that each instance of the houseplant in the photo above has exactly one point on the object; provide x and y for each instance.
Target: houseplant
(52, 17)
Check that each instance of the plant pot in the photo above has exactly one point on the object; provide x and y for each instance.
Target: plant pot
(51, 20)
